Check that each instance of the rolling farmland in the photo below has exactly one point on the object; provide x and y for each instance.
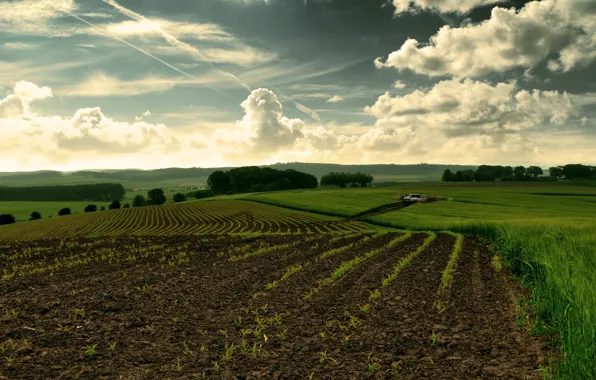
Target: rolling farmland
(235, 289)
(189, 218)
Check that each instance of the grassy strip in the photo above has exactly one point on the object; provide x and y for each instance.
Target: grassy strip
(447, 276)
(557, 264)
(351, 265)
(406, 260)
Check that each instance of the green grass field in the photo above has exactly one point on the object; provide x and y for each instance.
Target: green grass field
(22, 210)
(545, 232)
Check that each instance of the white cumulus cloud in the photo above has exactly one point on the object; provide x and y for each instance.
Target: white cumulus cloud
(467, 107)
(562, 29)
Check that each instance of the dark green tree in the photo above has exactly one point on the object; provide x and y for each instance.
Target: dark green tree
(520, 173)
(556, 171)
(126, 205)
(90, 208)
(35, 215)
(577, 171)
(64, 211)
(535, 171)
(115, 205)
(156, 197)
(139, 201)
(219, 182)
(447, 176)
(7, 219)
(179, 197)
(102, 208)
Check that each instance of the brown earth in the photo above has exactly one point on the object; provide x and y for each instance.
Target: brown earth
(152, 320)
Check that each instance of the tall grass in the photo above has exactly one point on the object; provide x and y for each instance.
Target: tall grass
(559, 265)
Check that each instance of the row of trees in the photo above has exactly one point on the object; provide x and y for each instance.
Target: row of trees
(519, 173)
(101, 192)
(493, 173)
(154, 197)
(573, 171)
(256, 179)
(347, 179)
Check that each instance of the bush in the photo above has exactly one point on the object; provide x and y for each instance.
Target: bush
(179, 197)
(90, 208)
(64, 211)
(102, 208)
(126, 205)
(35, 215)
(156, 197)
(139, 201)
(7, 219)
(204, 194)
(114, 205)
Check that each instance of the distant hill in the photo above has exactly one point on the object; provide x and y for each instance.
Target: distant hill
(172, 177)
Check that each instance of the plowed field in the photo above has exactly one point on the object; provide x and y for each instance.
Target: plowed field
(190, 218)
(348, 305)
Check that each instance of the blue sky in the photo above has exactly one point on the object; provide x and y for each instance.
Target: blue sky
(153, 83)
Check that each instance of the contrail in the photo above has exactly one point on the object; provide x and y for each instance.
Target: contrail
(171, 39)
(174, 41)
(107, 34)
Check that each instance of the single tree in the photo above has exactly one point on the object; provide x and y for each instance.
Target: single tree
(179, 197)
(535, 171)
(115, 205)
(90, 208)
(35, 215)
(556, 171)
(156, 197)
(64, 211)
(7, 219)
(126, 205)
(447, 176)
(139, 201)
(519, 172)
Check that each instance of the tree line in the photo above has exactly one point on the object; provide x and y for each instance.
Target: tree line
(347, 179)
(101, 192)
(155, 197)
(520, 173)
(256, 179)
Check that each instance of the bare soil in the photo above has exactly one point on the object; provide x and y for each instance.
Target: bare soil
(215, 318)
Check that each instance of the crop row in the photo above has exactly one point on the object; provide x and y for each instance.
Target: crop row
(191, 218)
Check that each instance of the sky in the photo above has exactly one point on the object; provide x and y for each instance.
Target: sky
(148, 84)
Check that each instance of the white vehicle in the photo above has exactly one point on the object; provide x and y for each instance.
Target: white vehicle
(413, 198)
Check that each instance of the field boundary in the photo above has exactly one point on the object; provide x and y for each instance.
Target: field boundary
(361, 216)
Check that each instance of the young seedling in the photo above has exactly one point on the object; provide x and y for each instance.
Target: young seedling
(187, 350)
(324, 357)
(376, 294)
(441, 306)
(76, 313)
(112, 346)
(373, 367)
(434, 338)
(178, 367)
(90, 351)
(364, 308)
